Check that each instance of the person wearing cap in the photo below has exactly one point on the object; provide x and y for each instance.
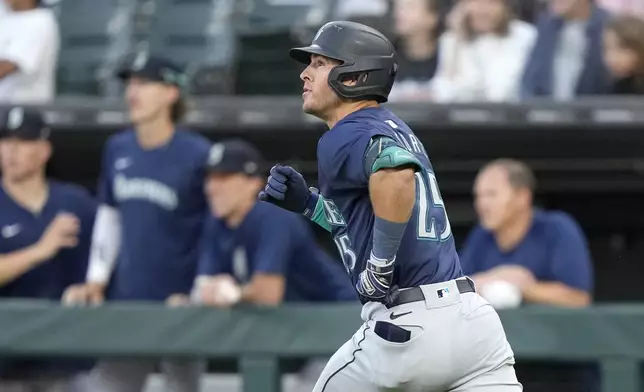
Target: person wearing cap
(45, 237)
(253, 251)
(29, 45)
(145, 244)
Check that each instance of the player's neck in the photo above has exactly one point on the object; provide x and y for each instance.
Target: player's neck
(347, 109)
(236, 218)
(512, 233)
(155, 133)
(31, 193)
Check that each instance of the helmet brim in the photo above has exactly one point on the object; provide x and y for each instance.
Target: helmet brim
(303, 54)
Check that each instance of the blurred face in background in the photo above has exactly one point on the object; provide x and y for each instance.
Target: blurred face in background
(496, 201)
(319, 98)
(486, 16)
(412, 17)
(147, 100)
(567, 8)
(18, 5)
(624, 47)
(228, 193)
(22, 159)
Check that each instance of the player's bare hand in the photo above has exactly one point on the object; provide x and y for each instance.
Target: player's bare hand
(177, 300)
(287, 188)
(61, 233)
(84, 294)
(220, 291)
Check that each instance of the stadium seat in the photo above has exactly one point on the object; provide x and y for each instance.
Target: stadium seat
(198, 35)
(94, 35)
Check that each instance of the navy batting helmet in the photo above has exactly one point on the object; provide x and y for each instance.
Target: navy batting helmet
(361, 51)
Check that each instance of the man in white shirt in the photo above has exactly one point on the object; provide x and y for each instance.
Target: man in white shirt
(29, 43)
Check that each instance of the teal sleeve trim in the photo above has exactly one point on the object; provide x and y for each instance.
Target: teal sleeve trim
(319, 216)
(385, 153)
(394, 156)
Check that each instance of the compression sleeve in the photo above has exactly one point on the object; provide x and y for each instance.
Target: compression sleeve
(317, 214)
(385, 153)
(106, 244)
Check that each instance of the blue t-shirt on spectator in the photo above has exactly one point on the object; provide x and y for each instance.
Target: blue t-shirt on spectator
(21, 228)
(159, 195)
(274, 241)
(554, 249)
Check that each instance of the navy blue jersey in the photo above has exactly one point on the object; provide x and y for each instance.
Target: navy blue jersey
(427, 253)
(159, 194)
(20, 228)
(274, 241)
(554, 249)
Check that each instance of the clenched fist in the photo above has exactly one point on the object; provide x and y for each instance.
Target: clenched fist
(61, 233)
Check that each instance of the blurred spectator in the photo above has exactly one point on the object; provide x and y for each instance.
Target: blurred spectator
(45, 239)
(519, 252)
(348, 9)
(417, 26)
(566, 61)
(483, 54)
(257, 253)
(246, 254)
(623, 7)
(4, 10)
(145, 244)
(29, 43)
(624, 54)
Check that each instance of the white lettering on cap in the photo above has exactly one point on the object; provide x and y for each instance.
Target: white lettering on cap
(16, 118)
(216, 154)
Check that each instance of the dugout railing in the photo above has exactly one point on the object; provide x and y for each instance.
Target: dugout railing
(258, 338)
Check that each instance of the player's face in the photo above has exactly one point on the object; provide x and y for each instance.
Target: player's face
(228, 192)
(486, 15)
(319, 98)
(21, 159)
(414, 17)
(147, 100)
(621, 61)
(495, 199)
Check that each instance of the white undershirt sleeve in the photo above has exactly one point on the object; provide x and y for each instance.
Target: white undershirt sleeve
(106, 244)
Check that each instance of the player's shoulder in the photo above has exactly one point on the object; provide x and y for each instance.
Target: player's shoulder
(192, 138)
(122, 139)
(555, 219)
(69, 190)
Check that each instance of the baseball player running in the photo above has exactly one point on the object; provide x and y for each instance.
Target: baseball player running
(425, 328)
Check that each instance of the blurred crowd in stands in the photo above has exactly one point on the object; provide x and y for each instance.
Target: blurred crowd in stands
(220, 247)
(450, 50)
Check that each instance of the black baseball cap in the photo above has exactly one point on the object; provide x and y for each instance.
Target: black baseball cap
(235, 156)
(23, 123)
(153, 68)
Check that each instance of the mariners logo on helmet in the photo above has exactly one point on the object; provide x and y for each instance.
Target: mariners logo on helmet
(361, 50)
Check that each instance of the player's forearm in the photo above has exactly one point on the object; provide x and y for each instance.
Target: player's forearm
(264, 289)
(106, 244)
(7, 68)
(556, 294)
(15, 264)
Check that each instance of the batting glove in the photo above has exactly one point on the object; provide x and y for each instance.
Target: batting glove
(288, 189)
(374, 282)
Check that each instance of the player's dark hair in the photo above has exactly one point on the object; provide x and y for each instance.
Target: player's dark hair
(179, 110)
(519, 174)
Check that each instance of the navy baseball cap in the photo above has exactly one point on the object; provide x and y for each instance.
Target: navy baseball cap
(23, 123)
(233, 157)
(157, 69)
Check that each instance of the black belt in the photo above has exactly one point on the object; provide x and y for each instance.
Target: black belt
(415, 294)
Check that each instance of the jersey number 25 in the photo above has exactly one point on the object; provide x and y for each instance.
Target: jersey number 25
(427, 222)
